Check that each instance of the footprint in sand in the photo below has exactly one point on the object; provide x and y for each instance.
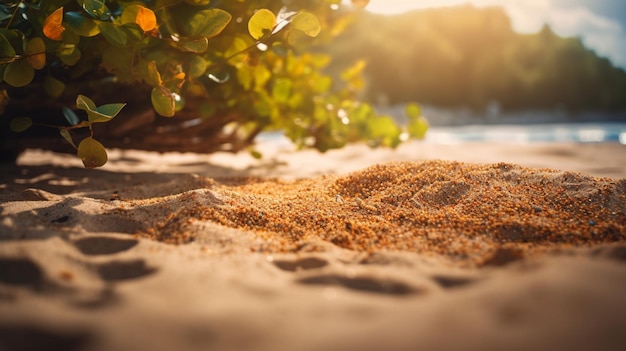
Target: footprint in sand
(301, 264)
(370, 284)
(21, 272)
(110, 244)
(123, 270)
(617, 252)
(445, 281)
(314, 265)
(452, 281)
(104, 245)
(15, 337)
(362, 284)
(87, 286)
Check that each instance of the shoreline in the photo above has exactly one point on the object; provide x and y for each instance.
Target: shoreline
(281, 160)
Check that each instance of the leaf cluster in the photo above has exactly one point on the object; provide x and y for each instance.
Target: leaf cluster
(247, 61)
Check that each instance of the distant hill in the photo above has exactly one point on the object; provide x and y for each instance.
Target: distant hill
(468, 56)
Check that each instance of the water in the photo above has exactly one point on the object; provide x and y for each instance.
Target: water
(449, 125)
(601, 132)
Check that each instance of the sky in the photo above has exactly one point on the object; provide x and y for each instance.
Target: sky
(601, 24)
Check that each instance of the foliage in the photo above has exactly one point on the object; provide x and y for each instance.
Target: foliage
(240, 67)
(467, 56)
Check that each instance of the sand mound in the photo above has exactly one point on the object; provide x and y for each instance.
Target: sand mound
(473, 214)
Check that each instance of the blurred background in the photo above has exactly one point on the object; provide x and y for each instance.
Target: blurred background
(495, 70)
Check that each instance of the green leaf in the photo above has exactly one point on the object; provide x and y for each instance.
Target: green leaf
(85, 103)
(68, 50)
(256, 154)
(100, 114)
(245, 77)
(198, 2)
(153, 75)
(281, 91)
(113, 33)
(197, 46)
(65, 133)
(135, 35)
(53, 86)
(384, 132)
(261, 23)
(166, 23)
(307, 23)
(70, 116)
(80, 24)
(20, 124)
(7, 53)
(322, 84)
(92, 153)
(413, 110)
(207, 23)
(19, 73)
(35, 52)
(97, 9)
(196, 66)
(263, 106)
(108, 111)
(163, 101)
(237, 45)
(261, 75)
(14, 37)
(418, 127)
(96, 117)
(71, 56)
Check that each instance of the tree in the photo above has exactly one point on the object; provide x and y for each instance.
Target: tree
(466, 56)
(193, 75)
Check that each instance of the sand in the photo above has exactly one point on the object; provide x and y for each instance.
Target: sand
(473, 246)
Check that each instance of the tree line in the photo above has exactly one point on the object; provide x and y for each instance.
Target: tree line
(471, 57)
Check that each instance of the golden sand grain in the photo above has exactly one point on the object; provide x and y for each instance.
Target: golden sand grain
(474, 214)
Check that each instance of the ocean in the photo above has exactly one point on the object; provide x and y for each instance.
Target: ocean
(593, 132)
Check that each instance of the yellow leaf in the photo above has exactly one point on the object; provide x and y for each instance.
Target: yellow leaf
(142, 16)
(53, 25)
(36, 53)
(261, 23)
(92, 153)
(163, 101)
(307, 23)
(153, 75)
(146, 19)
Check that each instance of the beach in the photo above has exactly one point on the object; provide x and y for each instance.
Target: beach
(474, 246)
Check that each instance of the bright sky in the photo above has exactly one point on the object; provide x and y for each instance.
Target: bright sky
(600, 23)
